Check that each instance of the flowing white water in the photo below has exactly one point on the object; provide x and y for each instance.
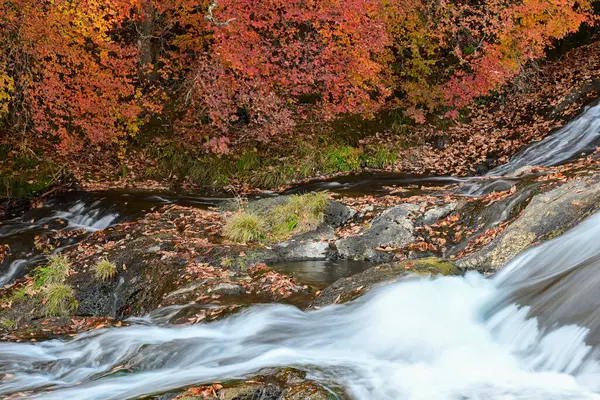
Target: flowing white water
(579, 136)
(442, 338)
(89, 217)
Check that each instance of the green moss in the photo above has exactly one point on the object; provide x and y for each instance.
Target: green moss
(60, 300)
(302, 213)
(7, 324)
(207, 172)
(18, 295)
(28, 183)
(105, 270)
(248, 161)
(430, 266)
(56, 271)
(245, 227)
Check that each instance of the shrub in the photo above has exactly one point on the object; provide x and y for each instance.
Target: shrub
(246, 227)
(105, 270)
(60, 300)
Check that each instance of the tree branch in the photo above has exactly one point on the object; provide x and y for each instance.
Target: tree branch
(210, 17)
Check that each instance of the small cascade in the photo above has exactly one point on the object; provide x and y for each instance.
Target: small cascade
(578, 137)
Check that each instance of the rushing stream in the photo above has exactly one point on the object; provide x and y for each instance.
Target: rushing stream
(442, 338)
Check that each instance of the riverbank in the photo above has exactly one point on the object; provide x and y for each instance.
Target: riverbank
(486, 135)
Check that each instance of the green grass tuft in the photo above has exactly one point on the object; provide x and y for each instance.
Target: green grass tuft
(342, 159)
(273, 177)
(56, 271)
(60, 300)
(303, 213)
(246, 227)
(105, 270)
(382, 157)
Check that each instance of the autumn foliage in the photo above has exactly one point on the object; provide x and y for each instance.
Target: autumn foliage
(99, 71)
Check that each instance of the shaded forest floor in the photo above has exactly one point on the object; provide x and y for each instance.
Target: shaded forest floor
(490, 132)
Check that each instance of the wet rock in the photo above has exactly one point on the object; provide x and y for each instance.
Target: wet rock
(481, 169)
(307, 391)
(251, 392)
(282, 384)
(347, 289)
(227, 289)
(392, 228)
(338, 214)
(546, 216)
(142, 279)
(437, 213)
(307, 247)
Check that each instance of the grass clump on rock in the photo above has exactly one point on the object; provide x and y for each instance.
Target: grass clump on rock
(246, 227)
(56, 271)
(302, 213)
(59, 300)
(105, 270)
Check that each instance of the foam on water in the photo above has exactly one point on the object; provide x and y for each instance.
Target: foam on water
(420, 339)
(90, 217)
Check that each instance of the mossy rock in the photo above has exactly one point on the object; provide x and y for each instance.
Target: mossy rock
(429, 266)
(249, 391)
(348, 289)
(308, 391)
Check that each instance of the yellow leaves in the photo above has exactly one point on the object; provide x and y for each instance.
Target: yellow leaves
(7, 86)
(88, 20)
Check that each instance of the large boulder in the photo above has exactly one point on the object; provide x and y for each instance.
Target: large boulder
(308, 246)
(143, 276)
(393, 228)
(548, 215)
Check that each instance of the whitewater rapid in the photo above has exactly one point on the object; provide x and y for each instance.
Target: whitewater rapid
(430, 338)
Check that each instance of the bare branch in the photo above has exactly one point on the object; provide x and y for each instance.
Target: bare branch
(210, 17)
